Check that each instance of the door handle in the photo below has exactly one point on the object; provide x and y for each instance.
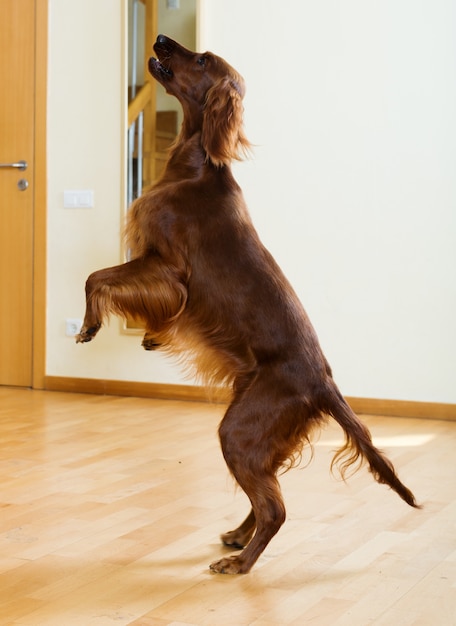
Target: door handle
(20, 165)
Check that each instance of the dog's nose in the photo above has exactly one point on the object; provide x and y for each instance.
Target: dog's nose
(162, 39)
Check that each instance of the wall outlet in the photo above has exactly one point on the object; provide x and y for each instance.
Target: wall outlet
(72, 327)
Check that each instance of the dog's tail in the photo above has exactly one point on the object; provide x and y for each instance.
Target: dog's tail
(359, 447)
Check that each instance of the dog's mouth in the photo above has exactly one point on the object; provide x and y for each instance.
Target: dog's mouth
(159, 69)
(160, 66)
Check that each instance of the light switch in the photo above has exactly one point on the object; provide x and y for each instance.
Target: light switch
(78, 199)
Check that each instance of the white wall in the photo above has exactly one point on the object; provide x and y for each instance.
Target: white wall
(352, 186)
(86, 122)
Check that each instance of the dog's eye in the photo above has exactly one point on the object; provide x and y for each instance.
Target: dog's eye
(202, 60)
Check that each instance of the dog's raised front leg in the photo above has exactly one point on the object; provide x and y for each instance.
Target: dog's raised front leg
(96, 307)
(145, 289)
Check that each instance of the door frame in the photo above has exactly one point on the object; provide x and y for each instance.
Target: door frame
(40, 197)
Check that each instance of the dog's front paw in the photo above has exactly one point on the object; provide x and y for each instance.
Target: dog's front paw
(149, 343)
(87, 334)
(229, 565)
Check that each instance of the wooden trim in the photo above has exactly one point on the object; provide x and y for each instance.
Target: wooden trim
(140, 390)
(39, 200)
(403, 408)
(370, 406)
(150, 121)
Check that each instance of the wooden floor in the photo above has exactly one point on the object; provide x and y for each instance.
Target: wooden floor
(110, 511)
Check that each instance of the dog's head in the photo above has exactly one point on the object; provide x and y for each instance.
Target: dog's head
(211, 94)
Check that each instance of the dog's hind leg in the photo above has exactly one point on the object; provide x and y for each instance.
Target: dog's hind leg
(262, 488)
(255, 446)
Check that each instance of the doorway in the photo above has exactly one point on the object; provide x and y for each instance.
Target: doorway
(23, 36)
(154, 118)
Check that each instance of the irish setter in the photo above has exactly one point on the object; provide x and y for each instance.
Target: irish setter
(207, 290)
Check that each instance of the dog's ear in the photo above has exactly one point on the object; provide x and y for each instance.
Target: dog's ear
(222, 135)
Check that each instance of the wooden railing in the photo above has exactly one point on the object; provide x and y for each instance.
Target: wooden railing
(140, 102)
(141, 133)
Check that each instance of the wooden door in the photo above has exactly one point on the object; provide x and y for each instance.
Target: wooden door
(17, 75)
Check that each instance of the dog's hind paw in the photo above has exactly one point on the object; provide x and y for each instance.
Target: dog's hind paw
(229, 565)
(233, 539)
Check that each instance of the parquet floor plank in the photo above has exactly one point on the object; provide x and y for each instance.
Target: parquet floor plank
(111, 510)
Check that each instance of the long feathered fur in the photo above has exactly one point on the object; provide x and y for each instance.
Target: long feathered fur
(222, 134)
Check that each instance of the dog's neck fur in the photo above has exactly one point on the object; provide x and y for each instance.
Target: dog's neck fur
(188, 158)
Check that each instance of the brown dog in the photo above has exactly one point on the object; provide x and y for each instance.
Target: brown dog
(203, 285)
